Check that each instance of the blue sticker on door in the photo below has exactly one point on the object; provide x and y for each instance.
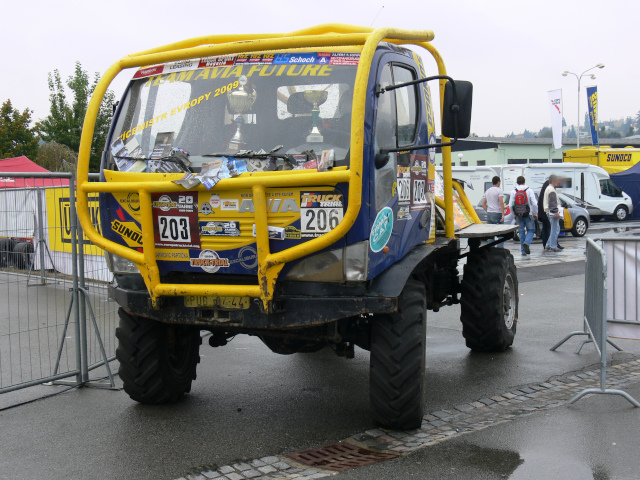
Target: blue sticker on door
(381, 230)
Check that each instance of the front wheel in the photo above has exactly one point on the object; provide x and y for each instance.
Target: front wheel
(579, 227)
(397, 361)
(157, 361)
(620, 213)
(489, 300)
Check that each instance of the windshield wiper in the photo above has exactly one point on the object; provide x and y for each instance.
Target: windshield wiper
(261, 155)
(250, 154)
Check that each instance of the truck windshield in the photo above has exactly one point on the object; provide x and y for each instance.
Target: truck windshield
(300, 102)
(608, 188)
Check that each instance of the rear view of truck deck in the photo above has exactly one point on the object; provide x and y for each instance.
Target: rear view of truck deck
(284, 186)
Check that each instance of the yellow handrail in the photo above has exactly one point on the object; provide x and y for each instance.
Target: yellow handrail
(269, 265)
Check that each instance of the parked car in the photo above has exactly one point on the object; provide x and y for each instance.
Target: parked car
(577, 222)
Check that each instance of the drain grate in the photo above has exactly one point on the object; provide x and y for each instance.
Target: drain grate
(340, 457)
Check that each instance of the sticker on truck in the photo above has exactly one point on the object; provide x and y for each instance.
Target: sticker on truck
(175, 220)
(320, 212)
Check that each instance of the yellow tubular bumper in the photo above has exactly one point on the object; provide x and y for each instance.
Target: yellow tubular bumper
(269, 265)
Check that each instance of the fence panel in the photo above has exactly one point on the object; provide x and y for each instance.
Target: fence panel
(623, 297)
(39, 327)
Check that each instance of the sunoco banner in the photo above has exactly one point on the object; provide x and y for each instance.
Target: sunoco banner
(555, 97)
(592, 100)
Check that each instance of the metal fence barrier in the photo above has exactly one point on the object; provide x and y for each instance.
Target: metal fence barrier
(595, 317)
(623, 296)
(56, 320)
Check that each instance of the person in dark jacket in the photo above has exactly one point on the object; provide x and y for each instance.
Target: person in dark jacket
(546, 224)
(552, 209)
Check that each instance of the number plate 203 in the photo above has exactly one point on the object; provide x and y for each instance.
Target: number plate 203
(228, 303)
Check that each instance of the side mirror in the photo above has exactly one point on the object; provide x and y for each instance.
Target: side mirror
(457, 110)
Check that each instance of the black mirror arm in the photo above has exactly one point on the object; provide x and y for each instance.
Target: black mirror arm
(416, 82)
(454, 110)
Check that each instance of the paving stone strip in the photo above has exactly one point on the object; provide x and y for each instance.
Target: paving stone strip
(438, 426)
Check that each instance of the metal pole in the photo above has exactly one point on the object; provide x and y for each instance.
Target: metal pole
(83, 307)
(81, 346)
(41, 243)
(578, 142)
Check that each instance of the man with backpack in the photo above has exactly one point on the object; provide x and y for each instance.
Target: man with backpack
(525, 209)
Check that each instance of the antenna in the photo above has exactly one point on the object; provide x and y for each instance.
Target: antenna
(374, 18)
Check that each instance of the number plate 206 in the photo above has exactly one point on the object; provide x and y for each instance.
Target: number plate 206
(230, 303)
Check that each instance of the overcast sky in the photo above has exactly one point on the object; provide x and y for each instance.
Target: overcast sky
(512, 51)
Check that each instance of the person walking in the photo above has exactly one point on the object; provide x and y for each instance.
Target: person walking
(493, 204)
(550, 201)
(542, 216)
(525, 210)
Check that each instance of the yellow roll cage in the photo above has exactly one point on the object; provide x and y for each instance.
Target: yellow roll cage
(269, 264)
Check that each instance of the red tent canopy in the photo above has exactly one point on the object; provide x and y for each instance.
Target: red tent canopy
(23, 164)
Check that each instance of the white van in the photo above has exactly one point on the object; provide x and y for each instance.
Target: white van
(588, 183)
(477, 180)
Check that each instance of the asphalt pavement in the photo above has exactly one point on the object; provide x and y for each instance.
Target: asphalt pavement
(249, 404)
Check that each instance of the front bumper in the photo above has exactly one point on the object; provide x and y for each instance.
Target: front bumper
(295, 309)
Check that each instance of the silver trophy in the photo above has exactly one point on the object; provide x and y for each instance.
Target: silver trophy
(315, 98)
(240, 102)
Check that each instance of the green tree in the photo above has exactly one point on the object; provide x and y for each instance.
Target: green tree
(16, 136)
(545, 132)
(56, 157)
(64, 123)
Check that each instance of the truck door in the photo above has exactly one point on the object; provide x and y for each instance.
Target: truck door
(400, 186)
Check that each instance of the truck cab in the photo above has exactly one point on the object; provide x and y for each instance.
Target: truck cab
(284, 187)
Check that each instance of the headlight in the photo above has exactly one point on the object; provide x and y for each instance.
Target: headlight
(347, 264)
(119, 265)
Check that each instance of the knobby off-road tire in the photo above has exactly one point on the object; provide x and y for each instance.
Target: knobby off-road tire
(157, 361)
(489, 300)
(397, 361)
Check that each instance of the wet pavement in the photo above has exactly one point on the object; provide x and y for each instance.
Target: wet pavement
(489, 415)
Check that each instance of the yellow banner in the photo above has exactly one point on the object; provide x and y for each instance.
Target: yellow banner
(59, 221)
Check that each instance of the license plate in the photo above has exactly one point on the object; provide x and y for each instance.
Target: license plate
(230, 303)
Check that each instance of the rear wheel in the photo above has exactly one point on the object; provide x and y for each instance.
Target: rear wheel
(579, 227)
(397, 361)
(489, 300)
(157, 361)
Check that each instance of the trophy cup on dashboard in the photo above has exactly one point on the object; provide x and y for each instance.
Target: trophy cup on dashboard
(240, 102)
(315, 98)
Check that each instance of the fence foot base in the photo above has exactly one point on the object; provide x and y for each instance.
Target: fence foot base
(583, 343)
(613, 345)
(104, 386)
(606, 391)
(572, 334)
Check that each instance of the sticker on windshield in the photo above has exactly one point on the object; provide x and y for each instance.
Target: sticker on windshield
(381, 230)
(345, 58)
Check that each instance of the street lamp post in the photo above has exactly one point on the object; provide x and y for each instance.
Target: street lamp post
(592, 76)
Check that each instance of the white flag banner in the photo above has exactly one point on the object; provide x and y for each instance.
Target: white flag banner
(555, 98)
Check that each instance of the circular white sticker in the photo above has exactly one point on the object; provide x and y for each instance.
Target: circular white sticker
(214, 201)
